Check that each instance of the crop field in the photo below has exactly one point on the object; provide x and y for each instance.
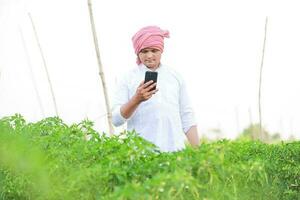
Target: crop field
(51, 160)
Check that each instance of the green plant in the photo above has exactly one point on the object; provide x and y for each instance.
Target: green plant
(51, 160)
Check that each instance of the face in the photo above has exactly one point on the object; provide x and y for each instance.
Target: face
(150, 57)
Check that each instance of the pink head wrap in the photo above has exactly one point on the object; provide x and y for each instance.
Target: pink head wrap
(149, 36)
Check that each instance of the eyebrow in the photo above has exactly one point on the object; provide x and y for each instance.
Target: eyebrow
(149, 49)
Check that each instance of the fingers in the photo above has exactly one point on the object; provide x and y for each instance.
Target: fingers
(145, 90)
(150, 87)
(147, 84)
(149, 94)
(142, 83)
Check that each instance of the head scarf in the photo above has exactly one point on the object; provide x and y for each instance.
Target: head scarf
(149, 36)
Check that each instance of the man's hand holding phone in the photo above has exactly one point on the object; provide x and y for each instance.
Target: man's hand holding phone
(145, 91)
(147, 87)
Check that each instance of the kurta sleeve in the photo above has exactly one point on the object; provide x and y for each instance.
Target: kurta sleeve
(120, 97)
(186, 111)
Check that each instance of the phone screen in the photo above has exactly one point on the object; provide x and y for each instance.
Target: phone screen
(149, 75)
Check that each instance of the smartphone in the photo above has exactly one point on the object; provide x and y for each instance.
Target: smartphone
(149, 75)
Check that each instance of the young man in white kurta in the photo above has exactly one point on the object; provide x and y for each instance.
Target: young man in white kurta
(165, 117)
(161, 116)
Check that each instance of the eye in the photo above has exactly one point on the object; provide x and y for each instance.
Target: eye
(144, 51)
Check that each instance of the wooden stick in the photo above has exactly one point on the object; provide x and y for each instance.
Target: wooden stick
(101, 72)
(260, 81)
(31, 73)
(44, 62)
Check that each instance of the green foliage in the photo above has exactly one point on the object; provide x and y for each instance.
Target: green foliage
(51, 160)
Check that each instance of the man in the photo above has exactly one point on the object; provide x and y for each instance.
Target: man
(160, 116)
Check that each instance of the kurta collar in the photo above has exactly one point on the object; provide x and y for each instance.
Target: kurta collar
(144, 68)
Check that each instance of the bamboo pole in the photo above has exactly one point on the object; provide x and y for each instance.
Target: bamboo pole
(260, 82)
(31, 73)
(44, 62)
(101, 72)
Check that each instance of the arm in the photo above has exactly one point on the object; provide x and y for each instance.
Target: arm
(192, 136)
(128, 108)
(187, 117)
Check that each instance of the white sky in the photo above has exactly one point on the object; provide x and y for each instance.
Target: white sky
(215, 45)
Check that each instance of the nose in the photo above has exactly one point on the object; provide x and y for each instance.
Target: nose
(149, 54)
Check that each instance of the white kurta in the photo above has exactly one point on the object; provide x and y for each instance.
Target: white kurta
(165, 117)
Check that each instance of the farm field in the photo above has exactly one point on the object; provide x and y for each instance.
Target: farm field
(51, 160)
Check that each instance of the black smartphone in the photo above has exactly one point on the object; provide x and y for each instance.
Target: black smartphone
(151, 76)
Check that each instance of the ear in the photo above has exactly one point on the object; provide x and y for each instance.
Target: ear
(138, 61)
